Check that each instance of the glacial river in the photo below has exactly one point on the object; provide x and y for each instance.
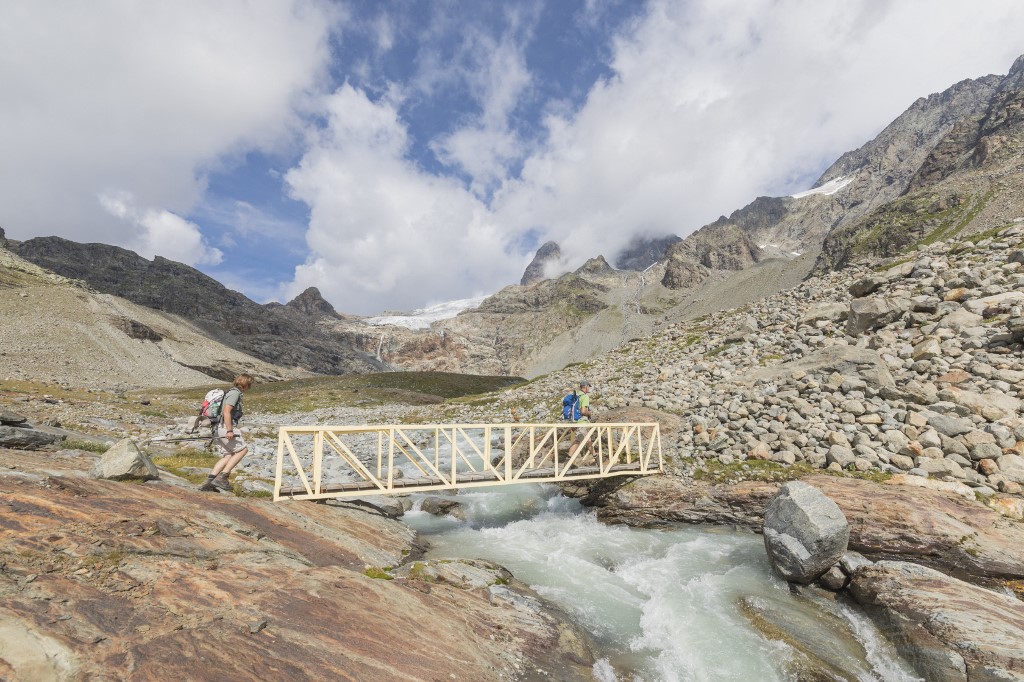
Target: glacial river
(660, 604)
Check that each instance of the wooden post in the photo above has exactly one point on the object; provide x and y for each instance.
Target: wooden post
(280, 465)
(318, 460)
(391, 458)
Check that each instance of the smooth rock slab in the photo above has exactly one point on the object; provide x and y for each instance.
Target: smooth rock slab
(805, 533)
(949, 630)
(124, 461)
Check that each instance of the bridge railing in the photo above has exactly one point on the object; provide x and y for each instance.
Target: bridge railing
(319, 462)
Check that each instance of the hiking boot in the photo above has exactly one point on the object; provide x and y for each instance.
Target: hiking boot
(207, 485)
(220, 482)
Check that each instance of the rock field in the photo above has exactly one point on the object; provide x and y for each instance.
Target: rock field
(908, 366)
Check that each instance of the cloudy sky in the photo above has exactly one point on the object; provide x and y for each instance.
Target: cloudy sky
(397, 154)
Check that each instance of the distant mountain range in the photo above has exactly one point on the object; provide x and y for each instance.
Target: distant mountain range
(952, 164)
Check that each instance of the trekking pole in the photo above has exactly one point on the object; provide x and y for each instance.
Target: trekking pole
(158, 439)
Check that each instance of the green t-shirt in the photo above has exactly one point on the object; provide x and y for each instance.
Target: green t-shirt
(233, 398)
(584, 401)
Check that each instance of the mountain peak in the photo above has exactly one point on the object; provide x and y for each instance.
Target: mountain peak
(595, 266)
(311, 303)
(1018, 66)
(549, 253)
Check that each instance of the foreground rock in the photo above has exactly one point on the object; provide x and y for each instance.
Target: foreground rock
(124, 461)
(158, 581)
(805, 533)
(948, 629)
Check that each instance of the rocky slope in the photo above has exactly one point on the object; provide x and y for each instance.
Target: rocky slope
(287, 336)
(56, 330)
(966, 180)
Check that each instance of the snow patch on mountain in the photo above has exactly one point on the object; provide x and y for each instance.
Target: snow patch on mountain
(424, 317)
(830, 187)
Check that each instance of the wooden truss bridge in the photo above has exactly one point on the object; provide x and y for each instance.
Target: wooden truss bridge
(322, 462)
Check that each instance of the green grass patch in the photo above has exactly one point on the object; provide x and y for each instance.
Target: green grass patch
(872, 475)
(987, 234)
(378, 573)
(178, 462)
(718, 350)
(753, 470)
(87, 445)
(889, 265)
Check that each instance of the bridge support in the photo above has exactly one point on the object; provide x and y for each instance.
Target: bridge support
(323, 462)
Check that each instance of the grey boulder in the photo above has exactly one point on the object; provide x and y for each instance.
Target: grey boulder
(805, 533)
(26, 439)
(125, 461)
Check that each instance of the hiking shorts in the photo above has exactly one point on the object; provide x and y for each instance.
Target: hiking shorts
(581, 431)
(232, 445)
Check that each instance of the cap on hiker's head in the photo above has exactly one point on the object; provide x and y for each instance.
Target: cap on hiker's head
(584, 383)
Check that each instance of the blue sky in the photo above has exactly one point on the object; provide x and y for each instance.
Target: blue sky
(397, 154)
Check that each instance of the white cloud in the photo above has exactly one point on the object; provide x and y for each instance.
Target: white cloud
(486, 147)
(713, 103)
(160, 232)
(145, 96)
(384, 233)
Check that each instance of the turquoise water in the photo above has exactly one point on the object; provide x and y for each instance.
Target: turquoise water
(660, 604)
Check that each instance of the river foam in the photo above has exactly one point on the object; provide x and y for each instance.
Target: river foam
(660, 604)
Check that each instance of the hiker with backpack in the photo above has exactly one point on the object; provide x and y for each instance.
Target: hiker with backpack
(228, 438)
(579, 412)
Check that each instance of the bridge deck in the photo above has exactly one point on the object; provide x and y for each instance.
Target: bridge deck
(479, 479)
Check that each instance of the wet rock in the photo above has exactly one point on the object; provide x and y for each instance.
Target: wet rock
(125, 461)
(833, 579)
(805, 532)
(946, 628)
(823, 644)
(443, 506)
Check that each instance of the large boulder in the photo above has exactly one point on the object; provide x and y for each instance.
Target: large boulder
(125, 461)
(874, 312)
(805, 532)
(948, 629)
(18, 438)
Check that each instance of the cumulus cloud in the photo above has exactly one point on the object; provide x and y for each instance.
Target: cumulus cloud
(384, 233)
(148, 97)
(159, 232)
(713, 103)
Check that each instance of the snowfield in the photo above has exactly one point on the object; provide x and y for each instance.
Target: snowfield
(830, 187)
